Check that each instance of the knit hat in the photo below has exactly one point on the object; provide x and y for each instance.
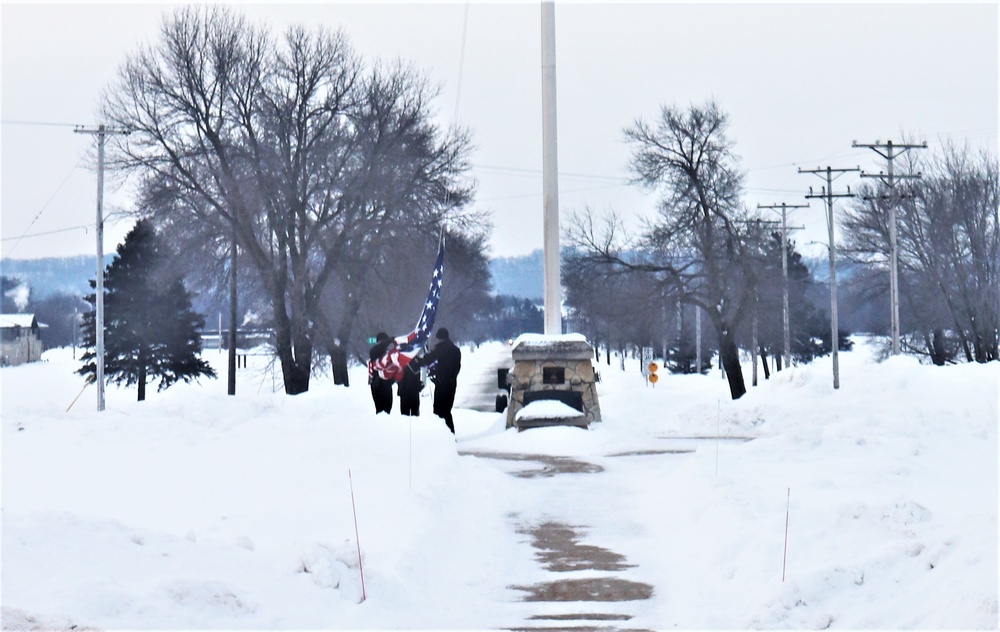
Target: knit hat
(442, 334)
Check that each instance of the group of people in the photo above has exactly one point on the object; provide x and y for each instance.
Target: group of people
(443, 363)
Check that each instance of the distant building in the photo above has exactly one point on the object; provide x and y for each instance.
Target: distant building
(19, 339)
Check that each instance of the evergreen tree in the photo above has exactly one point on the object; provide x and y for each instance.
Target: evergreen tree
(150, 330)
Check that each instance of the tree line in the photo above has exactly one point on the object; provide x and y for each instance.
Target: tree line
(704, 251)
(948, 239)
(314, 186)
(322, 178)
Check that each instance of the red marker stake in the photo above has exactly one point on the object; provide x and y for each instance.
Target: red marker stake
(785, 559)
(357, 538)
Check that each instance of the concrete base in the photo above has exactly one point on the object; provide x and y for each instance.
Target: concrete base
(580, 421)
(556, 366)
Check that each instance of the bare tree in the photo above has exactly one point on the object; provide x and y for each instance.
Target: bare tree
(699, 241)
(949, 245)
(616, 305)
(289, 144)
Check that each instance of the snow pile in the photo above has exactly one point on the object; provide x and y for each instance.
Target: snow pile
(546, 409)
(195, 510)
(544, 340)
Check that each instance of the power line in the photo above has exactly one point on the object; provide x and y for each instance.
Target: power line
(48, 232)
(763, 190)
(42, 210)
(538, 173)
(38, 123)
(538, 194)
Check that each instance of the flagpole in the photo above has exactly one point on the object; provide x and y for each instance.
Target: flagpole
(550, 174)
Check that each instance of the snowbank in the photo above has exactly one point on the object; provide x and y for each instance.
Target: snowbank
(195, 510)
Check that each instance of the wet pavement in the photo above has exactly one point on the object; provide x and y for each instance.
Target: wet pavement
(559, 550)
(585, 579)
(546, 466)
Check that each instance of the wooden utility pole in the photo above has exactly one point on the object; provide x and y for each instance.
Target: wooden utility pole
(697, 338)
(753, 326)
(786, 329)
(890, 153)
(550, 175)
(101, 132)
(231, 385)
(827, 193)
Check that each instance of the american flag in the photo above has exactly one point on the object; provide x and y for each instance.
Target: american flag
(404, 348)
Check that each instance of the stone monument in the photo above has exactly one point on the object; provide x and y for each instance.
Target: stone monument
(553, 368)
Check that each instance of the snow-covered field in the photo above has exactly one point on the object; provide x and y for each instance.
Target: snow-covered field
(195, 510)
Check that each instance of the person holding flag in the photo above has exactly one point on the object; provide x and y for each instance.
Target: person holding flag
(443, 362)
(381, 387)
(390, 357)
(409, 387)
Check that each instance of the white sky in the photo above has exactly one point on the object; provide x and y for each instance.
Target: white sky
(800, 82)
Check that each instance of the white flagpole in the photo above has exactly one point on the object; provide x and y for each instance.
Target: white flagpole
(550, 174)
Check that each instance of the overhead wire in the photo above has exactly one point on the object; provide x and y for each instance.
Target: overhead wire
(85, 227)
(38, 123)
(516, 171)
(17, 241)
(26, 234)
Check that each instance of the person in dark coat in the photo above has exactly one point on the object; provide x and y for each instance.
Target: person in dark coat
(444, 362)
(410, 385)
(381, 388)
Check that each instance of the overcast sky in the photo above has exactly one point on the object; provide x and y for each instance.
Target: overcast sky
(799, 82)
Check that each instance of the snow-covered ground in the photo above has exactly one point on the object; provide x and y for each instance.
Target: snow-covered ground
(195, 510)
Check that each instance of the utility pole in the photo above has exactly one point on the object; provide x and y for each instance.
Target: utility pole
(101, 132)
(550, 175)
(753, 327)
(697, 338)
(786, 330)
(231, 386)
(827, 192)
(890, 153)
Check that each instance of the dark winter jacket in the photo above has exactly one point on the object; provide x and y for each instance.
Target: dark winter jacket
(381, 389)
(444, 363)
(410, 383)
